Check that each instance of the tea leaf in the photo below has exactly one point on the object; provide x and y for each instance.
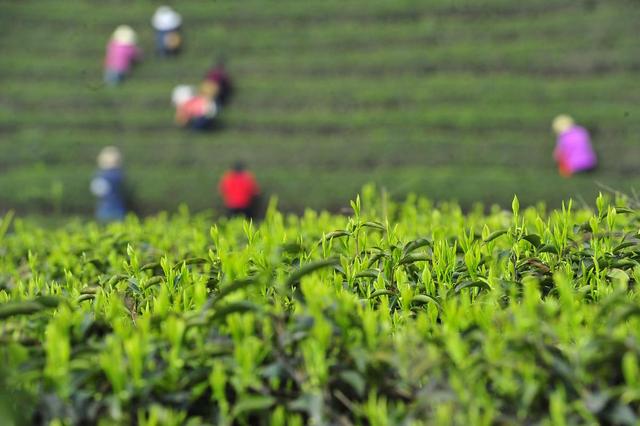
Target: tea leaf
(495, 235)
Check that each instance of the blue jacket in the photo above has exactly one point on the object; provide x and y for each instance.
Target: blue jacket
(107, 186)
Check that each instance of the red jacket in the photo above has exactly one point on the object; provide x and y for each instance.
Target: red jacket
(238, 189)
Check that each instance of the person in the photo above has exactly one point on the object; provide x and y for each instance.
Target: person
(122, 54)
(239, 191)
(108, 186)
(167, 24)
(192, 110)
(217, 83)
(573, 152)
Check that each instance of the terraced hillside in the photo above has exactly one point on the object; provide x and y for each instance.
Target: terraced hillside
(451, 99)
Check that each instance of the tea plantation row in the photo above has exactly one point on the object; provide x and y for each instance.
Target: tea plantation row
(448, 99)
(403, 313)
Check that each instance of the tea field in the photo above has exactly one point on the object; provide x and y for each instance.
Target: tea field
(399, 314)
(450, 99)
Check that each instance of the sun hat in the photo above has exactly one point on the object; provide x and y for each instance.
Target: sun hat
(181, 94)
(124, 34)
(562, 123)
(109, 158)
(166, 19)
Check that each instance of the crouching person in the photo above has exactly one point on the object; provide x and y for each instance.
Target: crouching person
(122, 54)
(573, 152)
(217, 83)
(192, 110)
(167, 24)
(239, 191)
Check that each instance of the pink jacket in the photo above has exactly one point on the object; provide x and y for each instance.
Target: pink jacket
(573, 150)
(120, 57)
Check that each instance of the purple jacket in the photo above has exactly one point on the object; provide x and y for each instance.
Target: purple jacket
(573, 150)
(120, 57)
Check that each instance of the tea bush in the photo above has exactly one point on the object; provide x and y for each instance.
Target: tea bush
(401, 313)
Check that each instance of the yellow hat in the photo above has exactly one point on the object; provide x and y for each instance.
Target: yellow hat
(210, 89)
(124, 34)
(109, 158)
(562, 123)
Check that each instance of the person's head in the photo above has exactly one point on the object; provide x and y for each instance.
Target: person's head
(109, 158)
(239, 166)
(210, 89)
(562, 123)
(124, 34)
(166, 19)
(182, 94)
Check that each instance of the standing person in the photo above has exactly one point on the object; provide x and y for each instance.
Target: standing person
(573, 152)
(192, 110)
(167, 24)
(239, 191)
(217, 83)
(108, 186)
(122, 54)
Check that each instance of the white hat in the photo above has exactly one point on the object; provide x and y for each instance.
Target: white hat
(166, 19)
(562, 123)
(124, 34)
(109, 158)
(182, 94)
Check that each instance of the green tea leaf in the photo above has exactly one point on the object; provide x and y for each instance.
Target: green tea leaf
(252, 404)
(381, 292)
(375, 225)
(8, 310)
(495, 235)
(412, 258)
(472, 284)
(416, 244)
(424, 299)
(232, 308)
(534, 239)
(233, 287)
(310, 268)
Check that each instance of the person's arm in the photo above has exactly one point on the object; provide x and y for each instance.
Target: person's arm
(100, 186)
(221, 185)
(563, 168)
(182, 117)
(560, 155)
(135, 54)
(255, 189)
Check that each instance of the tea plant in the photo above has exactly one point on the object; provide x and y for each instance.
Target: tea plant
(402, 313)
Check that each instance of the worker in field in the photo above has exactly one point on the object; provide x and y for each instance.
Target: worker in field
(108, 186)
(217, 83)
(122, 54)
(167, 24)
(239, 191)
(193, 110)
(573, 152)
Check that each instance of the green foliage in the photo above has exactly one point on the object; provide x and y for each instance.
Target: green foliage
(399, 314)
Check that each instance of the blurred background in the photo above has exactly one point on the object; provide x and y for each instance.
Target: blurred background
(448, 99)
